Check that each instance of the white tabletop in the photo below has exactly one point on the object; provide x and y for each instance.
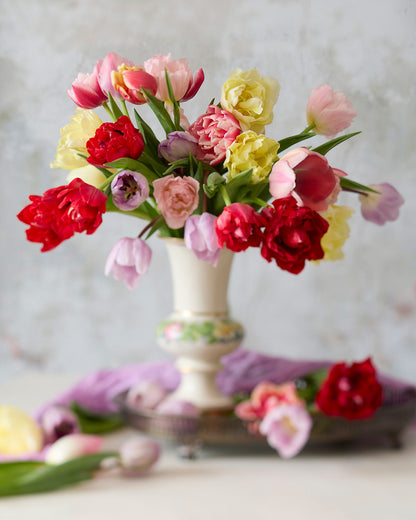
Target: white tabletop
(374, 483)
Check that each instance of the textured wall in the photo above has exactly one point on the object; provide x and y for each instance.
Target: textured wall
(59, 312)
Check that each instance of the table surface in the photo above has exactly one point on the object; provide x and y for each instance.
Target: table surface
(352, 483)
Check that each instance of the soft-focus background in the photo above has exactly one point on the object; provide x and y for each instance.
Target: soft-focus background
(59, 312)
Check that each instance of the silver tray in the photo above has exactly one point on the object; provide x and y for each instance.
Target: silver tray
(224, 428)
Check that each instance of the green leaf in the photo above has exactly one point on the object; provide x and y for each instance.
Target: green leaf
(324, 148)
(114, 107)
(150, 140)
(287, 142)
(46, 477)
(215, 179)
(175, 104)
(242, 179)
(160, 112)
(94, 423)
(157, 225)
(350, 185)
(126, 163)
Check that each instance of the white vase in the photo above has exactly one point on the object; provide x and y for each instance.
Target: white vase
(199, 331)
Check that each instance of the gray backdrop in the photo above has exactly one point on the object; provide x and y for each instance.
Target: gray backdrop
(60, 313)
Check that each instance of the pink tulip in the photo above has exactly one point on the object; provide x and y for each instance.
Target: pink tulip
(383, 206)
(330, 112)
(184, 85)
(111, 63)
(129, 260)
(129, 82)
(176, 198)
(215, 131)
(171, 406)
(72, 446)
(308, 177)
(138, 455)
(146, 394)
(201, 238)
(287, 427)
(86, 91)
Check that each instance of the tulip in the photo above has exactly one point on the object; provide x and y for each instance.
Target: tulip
(111, 63)
(171, 406)
(57, 422)
(329, 113)
(307, 176)
(129, 260)
(382, 206)
(177, 146)
(86, 91)
(287, 428)
(184, 85)
(147, 394)
(89, 174)
(129, 82)
(138, 455)
(201, 238)
(73, 446)
(129, 190)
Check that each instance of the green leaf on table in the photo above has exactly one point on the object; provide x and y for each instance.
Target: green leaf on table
(95, 423)
(323, 149)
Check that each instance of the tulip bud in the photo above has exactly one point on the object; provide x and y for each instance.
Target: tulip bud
(177, 146)
(72, 446)
(147, 394)
(172, 406)
(57, 422)
(138, 455)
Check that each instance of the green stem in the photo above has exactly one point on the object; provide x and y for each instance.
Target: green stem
(225, 195)
(308, 128)
(108, 181)
(124, 108)
(149, 225)
(109, 112)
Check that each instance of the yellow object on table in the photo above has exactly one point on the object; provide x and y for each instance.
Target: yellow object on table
(19, 433)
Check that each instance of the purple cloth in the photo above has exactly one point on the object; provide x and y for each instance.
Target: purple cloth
(243, 370)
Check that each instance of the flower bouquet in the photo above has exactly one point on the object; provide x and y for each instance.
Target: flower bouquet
(216, 183)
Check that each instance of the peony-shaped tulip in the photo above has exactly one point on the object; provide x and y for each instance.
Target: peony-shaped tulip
(111, 63)
(178, 145)
(129, 190)
(200, 237)
(112, 141)
(292, 234)
(251, 150)
(382, 206)
(329, 112)
(250, 98)
(176, 198)
(89, 174)
(287, 427)
(129, 260)
(86, 91)
(338, 232)
(60, 212)
(308, 177)
(214, 131)
(184, 84)
(239, 227)
(350, 391)
(74, 137)
(129, 82)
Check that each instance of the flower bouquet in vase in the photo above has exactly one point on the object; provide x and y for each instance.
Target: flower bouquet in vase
(210, 188)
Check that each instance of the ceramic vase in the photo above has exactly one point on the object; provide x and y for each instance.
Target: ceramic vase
(199, 331)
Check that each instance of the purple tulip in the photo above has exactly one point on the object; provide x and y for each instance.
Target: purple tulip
(171, 406)
(129, 260)
(129, 190)
(382, 206)
(138, 455)
(57, 422)
(201, 238)
(177, 146)
(146, 394)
